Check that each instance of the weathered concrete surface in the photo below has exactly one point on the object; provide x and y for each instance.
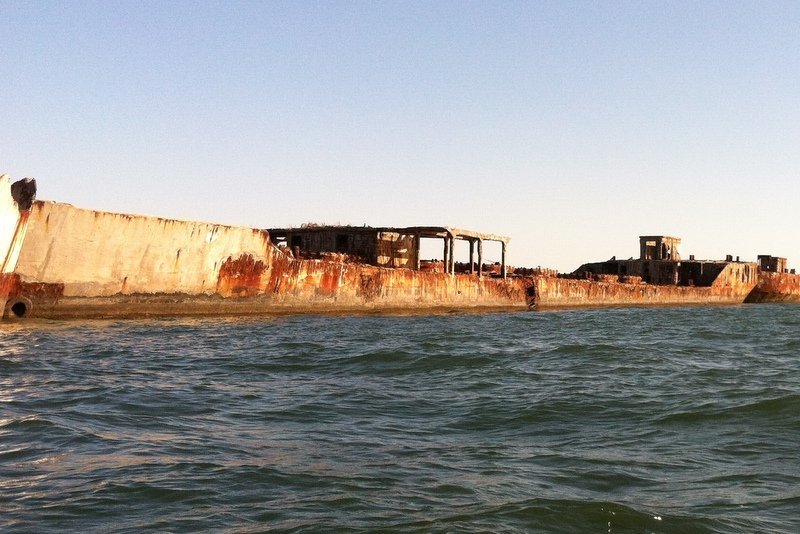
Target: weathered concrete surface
(71, 253)
(776, 287)
(561, 292)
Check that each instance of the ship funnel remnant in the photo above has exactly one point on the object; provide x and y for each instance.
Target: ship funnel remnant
(24, 193)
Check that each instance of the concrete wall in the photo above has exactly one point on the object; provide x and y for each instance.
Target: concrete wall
(741, 276)
(369, 245)
(394, 249)
(94, 253)
(315, 241)
(772, 263)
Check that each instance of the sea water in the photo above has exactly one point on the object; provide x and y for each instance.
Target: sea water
(605, 420)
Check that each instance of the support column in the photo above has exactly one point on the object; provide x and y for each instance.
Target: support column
(445, 257)
(503, 261)
(416, 252)
(452, 255)
(480, 257)
(471, 256)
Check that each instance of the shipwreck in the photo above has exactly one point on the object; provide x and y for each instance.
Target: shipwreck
(60, 261)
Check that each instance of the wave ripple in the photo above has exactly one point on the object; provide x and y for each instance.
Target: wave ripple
(616, 420)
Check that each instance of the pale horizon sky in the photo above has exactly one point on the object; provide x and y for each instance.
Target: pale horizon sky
(573, 127)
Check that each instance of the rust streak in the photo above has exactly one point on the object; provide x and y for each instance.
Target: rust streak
(240, 277)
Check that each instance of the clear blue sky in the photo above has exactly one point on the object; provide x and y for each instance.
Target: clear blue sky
(573, 127)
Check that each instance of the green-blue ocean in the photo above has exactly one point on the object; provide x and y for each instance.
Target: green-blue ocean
(606, 420)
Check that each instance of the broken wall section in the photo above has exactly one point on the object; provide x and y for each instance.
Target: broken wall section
(93, 253)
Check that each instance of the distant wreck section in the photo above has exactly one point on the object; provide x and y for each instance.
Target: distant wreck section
(660, 263)
(776, 283)
(661, 275)
(59, 261)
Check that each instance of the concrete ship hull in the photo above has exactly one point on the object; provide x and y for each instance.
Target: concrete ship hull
(59, 261)
(72, 262)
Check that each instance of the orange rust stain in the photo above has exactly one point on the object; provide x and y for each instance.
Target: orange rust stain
(240, 277)
(284, 274)
(9, 283)
(329, 282)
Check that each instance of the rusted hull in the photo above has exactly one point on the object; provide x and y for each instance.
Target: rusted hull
(296, 286)
(323, 287)
(732, 286)
(776, 287)
(561, 292)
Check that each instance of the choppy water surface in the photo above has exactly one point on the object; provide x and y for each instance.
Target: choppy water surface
(611, 420)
